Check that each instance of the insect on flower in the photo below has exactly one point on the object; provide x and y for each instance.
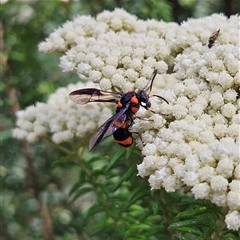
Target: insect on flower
(127, 105)
(213, 38)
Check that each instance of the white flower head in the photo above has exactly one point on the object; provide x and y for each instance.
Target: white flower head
(201, 190)
(200, 126)
(113, 41)
(196, 135)
(233, 220)
(61, 119)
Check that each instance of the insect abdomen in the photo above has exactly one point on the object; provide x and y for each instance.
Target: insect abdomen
(123, 137)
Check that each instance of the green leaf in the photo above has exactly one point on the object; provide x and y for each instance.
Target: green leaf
(82, 177)
(141, 227)
(136, 210)
(125, 177)
(78, 184)
(114, 159)
(181, 224)
(129, 219)
(130, 151)
(64, 161)
(82, 192)
(106, 225)
(193, 212)
(155, 230)
(98, 158)
(152, 218)
(190, 200)
(138, 193)
(207, 233)
(182, 228)
(154, 206)
(135, 207)
(230, 236)
(74, 188)
(93, 210)
(104, 189)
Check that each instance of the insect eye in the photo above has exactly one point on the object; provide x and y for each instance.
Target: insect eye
(143, 96)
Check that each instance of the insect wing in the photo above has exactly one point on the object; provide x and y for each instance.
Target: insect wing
(83, 96)
(110, 126)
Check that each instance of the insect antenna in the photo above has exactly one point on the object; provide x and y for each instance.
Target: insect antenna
(161, 98)
(153, 77)
(155, 72)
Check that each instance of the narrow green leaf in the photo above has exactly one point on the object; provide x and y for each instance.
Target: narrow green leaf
(192, 201)
(98, 158)
(135, 207)
(104, 191)
(74, 188)
(114, 159)
(81, 192)
(230, 236)
(129, 219)
(116, 235)
(141, 227)
(125, 177)
(207, 233)
(129, 152)
(78, 184)
(138, 193)
(191, 230)
(64, 161)
(155, 230)
(208, 219)
(192, 212)
(181, 224)
(154, 206)
(82, 177)
(103, 228)
(152, 218)
(136, 213)
(93, 210)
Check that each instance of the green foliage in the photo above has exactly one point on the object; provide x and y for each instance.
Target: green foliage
(125, 208)
(63, 192)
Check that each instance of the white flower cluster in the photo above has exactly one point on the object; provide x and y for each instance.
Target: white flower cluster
(194, 140)
(61, 119)
(115, 50)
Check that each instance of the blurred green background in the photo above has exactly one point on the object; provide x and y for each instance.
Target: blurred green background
(31, 184)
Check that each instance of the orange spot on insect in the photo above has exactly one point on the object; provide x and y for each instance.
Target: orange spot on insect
(134, 109)
(134, 100)
(125, 142)
(119, 105)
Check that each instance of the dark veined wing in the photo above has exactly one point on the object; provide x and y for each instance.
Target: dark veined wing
(110, 126)
(83, 96)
